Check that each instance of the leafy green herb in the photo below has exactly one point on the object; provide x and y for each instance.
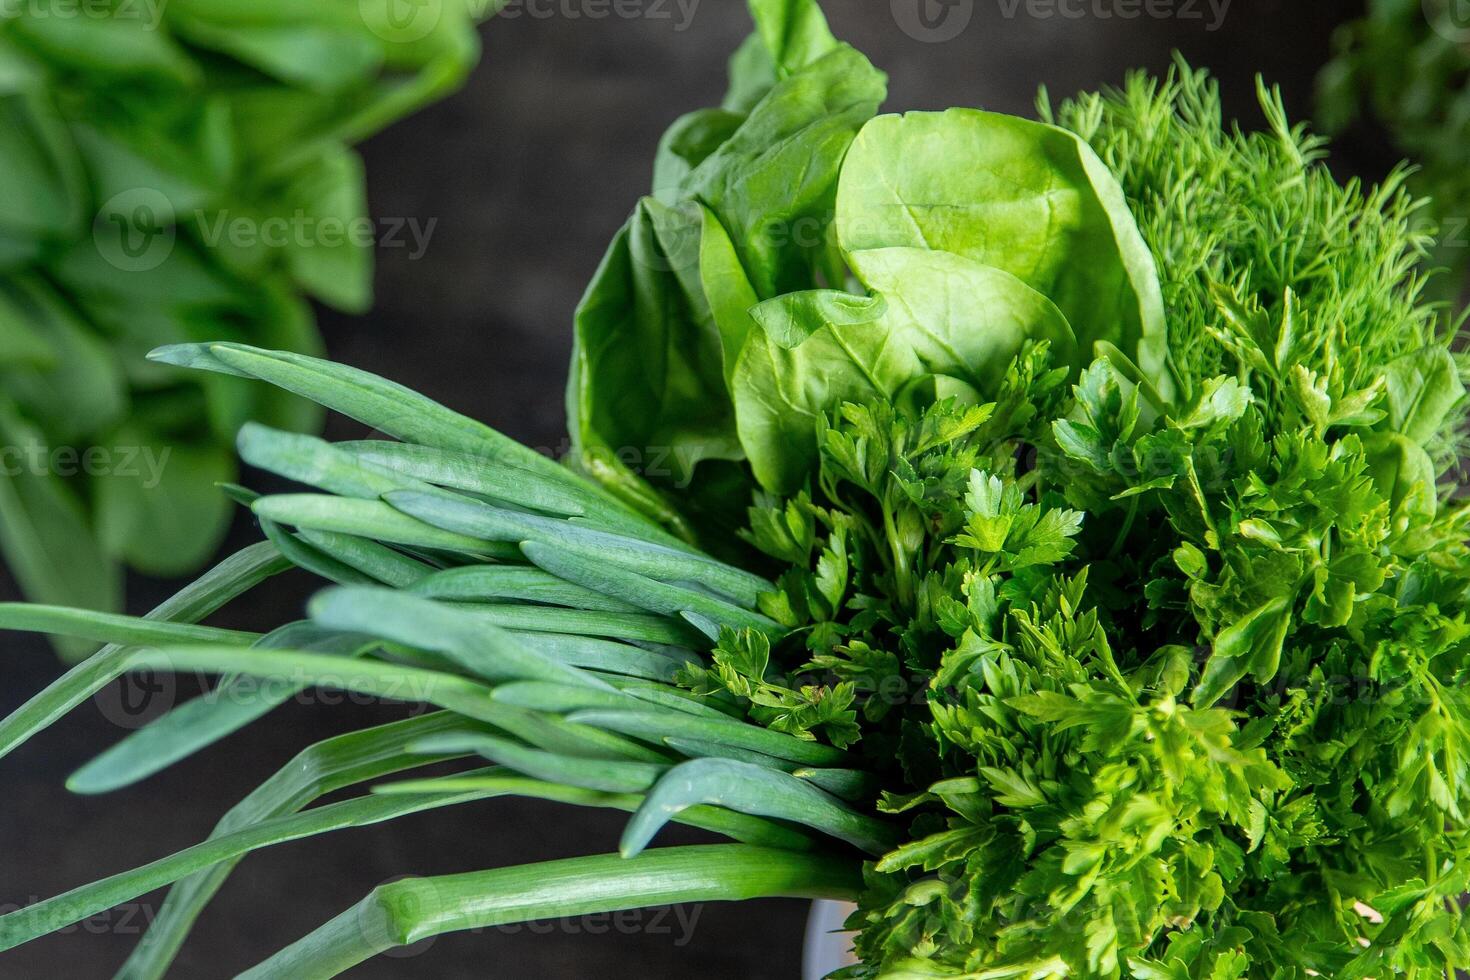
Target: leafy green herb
(139, 140)
(811, 255)
(1252, 227)
(1084, 655)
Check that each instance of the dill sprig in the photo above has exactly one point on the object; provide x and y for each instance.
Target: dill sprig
(1260, 213)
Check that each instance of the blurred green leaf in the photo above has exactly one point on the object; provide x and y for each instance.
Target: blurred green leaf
(45, 536)
(158, 506)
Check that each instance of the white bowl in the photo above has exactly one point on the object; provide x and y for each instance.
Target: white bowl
(828, 947)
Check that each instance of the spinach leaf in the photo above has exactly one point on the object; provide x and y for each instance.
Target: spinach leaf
(741, 212)
(804, 254)
(44, 532)
(1022, 196)
(1404, 475)
(39, 198)
(1422, 389)
(331, 190)
(932, 313)
(752, 75)
(130, 141)
(773, 183)
(646, 368)
(21, 343)
(793, 32)
(687, 144)
(80, 387)
(160, 509)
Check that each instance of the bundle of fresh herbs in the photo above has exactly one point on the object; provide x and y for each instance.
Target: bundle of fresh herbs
(174, 172)
(1101, 611)
(1405, 67)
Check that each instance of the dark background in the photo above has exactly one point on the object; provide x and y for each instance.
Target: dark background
(527, 174)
